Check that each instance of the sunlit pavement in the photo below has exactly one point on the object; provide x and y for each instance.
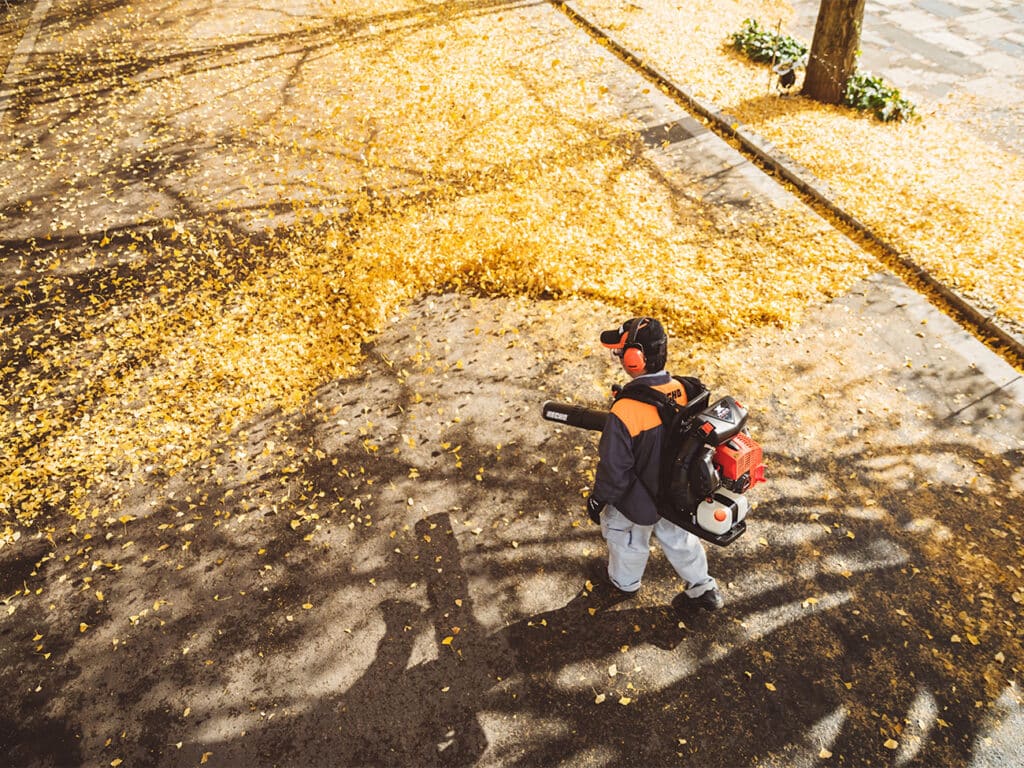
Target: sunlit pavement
(966, 54)
(871, 607)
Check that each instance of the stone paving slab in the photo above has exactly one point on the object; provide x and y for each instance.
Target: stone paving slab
(936, 49)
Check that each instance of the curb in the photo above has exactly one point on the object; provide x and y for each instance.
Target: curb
(812, 188)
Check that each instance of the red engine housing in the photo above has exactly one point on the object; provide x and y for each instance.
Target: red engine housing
(740, 462)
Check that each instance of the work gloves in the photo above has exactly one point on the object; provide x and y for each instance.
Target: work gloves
(594, 508)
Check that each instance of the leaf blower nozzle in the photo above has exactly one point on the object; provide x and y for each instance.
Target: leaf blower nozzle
(574, 415)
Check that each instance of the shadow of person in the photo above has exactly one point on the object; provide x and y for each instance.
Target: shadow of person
(428, 712)
(401, 715)
(397, 715)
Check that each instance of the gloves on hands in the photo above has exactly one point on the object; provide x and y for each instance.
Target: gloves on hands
(594, 508)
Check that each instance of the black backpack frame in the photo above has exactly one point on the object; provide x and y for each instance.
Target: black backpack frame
(686, 475)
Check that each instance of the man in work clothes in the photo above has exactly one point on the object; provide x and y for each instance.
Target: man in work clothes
(627, 472)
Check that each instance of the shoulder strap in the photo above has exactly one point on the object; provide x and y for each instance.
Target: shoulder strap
(668, 411)
(676, 445)
(692, 386)
(645, 394)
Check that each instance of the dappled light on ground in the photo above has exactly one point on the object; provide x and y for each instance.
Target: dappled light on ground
(398, 569)
(282, 294)
(259, 205)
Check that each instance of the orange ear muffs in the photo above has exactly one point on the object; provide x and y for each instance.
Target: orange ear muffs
(633, 359)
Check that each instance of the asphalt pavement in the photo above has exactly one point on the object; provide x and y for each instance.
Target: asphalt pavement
(875, 593)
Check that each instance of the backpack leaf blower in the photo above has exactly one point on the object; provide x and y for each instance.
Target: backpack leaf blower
(708, 461)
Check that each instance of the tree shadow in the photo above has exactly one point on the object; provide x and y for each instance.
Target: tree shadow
(419, 645)
(447, 618)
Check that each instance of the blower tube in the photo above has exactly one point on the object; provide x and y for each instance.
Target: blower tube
(574, 415)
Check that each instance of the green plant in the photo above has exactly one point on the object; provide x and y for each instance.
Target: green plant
(766, 46)
(863, 91)
(868, 92)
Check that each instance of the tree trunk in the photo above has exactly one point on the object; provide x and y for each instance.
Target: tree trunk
(833, 56)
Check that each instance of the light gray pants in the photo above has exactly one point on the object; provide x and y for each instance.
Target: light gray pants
(629, 546)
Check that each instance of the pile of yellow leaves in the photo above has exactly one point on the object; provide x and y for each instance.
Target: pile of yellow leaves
(256, 196)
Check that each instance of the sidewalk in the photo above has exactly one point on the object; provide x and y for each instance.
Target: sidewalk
(968, 55)
(394, 570)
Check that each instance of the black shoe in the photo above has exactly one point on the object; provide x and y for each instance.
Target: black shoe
(710, 601)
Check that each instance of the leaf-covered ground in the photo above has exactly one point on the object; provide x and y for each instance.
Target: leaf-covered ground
(274, 488)
(207, 217)
(12, 26)
(937, 191)
(396, 572)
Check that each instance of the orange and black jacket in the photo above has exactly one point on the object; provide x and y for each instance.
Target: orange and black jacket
(629, 452)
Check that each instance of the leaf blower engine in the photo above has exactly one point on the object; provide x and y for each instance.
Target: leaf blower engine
(709, 460)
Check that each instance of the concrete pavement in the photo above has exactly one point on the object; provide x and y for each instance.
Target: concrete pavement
(887, 530)
(963, 57)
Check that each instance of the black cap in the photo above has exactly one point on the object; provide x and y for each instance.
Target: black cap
(645, 331)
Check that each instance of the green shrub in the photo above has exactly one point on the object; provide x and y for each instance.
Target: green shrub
(863, 91)
(767, 46)
(867, 92)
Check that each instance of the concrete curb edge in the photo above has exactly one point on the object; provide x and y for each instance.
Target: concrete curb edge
(803, 180)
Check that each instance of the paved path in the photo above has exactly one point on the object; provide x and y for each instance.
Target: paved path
(966, 54)
(889, 429)
(19, 59)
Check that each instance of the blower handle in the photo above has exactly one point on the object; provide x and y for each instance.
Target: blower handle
(574, 415)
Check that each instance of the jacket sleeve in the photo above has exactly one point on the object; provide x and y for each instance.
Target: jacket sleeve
(614, 474)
